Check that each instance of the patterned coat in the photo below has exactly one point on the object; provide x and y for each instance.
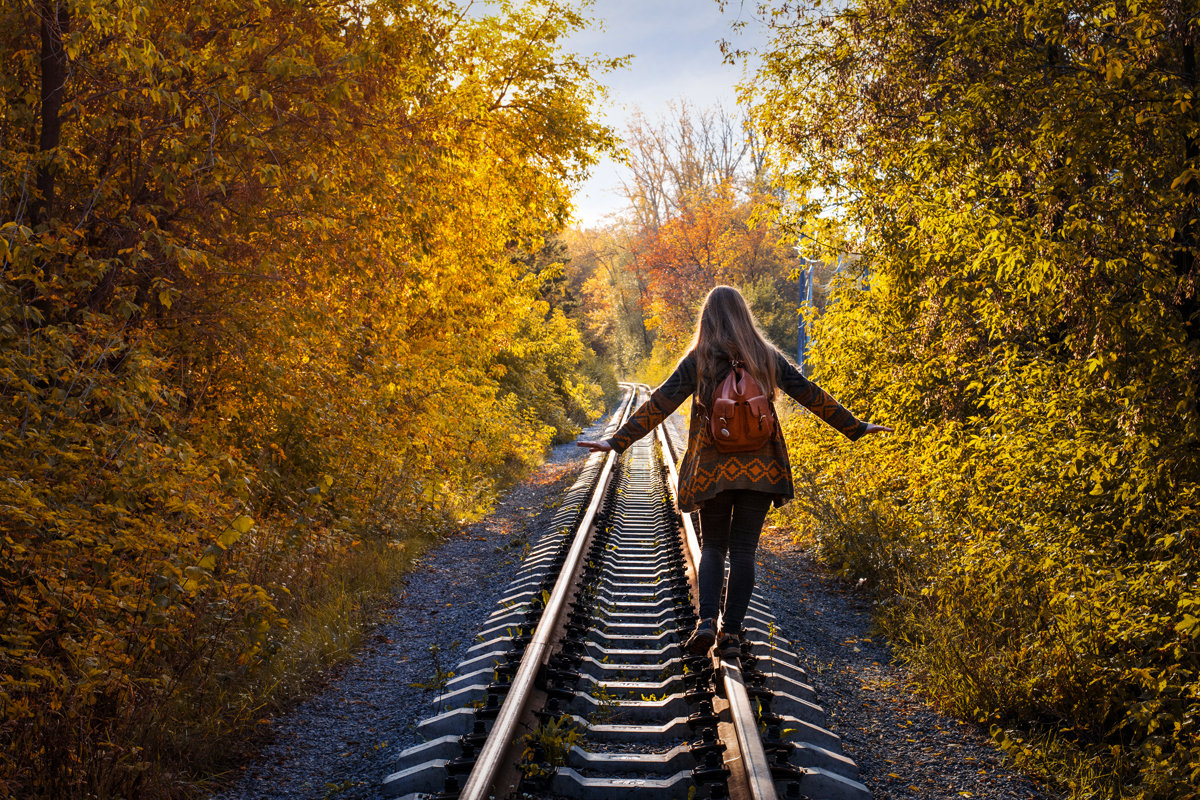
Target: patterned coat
(705, 471)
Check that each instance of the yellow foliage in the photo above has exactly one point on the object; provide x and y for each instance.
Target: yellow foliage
(1017, 186)
(263, 314)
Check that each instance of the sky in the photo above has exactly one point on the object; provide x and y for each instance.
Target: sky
(676, 56)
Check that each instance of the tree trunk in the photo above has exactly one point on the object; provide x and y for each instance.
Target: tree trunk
(53, 16)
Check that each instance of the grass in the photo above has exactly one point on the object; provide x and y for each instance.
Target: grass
(325, 627)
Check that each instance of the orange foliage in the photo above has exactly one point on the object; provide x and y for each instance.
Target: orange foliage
(713, 240)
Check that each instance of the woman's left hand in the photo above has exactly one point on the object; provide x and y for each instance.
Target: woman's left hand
(873, 428)
(595, 447)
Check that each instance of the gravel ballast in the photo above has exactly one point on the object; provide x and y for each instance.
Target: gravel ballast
(340, 743)
(905, 748)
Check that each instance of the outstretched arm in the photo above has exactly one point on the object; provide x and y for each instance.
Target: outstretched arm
(821, 403)
(665, 399)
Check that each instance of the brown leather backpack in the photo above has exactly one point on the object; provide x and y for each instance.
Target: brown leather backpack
(742, 418)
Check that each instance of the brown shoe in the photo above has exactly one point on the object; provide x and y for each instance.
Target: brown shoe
(702, 638)
(729, 643)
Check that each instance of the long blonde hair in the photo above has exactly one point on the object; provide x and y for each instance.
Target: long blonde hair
(726, 330)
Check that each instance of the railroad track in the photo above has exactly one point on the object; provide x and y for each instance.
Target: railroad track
(579, 686)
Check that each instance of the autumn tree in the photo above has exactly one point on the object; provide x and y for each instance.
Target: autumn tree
(714, 240)
(683, 156)
(613, 296)
(264, 322)
(1020, 178)
(697, 196)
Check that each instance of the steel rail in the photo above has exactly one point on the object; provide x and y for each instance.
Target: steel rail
(492, 756)
(754, 758)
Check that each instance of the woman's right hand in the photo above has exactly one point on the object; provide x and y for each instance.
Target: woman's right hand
(595, 447)
(873, 428)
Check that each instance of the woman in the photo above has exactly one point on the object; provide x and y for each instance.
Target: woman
(732, 491)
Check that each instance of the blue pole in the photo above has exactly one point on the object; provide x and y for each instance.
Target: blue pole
(806, 291)
(801, 333)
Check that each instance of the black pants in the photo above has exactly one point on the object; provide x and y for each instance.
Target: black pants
(730, 523)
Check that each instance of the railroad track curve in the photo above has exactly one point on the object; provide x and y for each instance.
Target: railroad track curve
(578, 685)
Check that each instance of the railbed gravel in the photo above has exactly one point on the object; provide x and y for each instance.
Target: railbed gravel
(340, 742)
(904, 747)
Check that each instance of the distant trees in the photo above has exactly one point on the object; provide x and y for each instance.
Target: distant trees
(714, 239)
(684, 156)
(698, 202)
(614, 296)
